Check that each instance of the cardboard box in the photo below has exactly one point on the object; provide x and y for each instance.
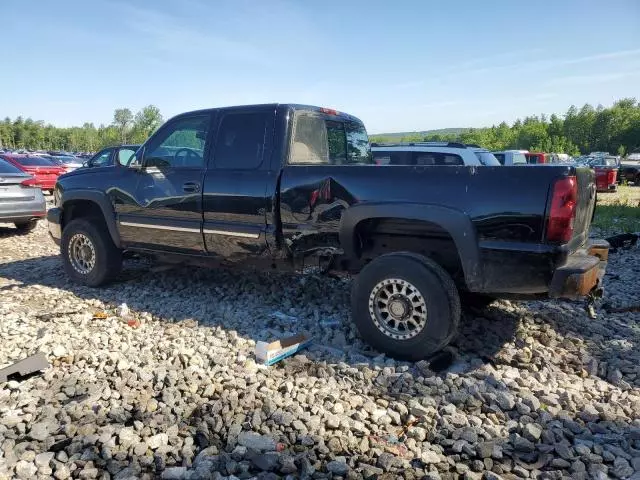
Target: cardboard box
(270, 353)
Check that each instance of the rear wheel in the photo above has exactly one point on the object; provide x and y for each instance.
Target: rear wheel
(26, 227)
(405, 305)
(89, 255)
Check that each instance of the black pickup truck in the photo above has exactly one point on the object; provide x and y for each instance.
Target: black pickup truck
(290, 186)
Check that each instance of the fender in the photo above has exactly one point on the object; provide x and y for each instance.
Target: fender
(101, 199)
(455, 222)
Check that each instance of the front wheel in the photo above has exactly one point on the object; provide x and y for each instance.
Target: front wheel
(89, 255)
(405, 305)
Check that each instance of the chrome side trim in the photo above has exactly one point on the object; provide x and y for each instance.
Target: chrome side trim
(160, 227)
(231, 234)
(192, 230)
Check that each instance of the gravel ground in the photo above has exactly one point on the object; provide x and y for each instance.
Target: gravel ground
(535, 390)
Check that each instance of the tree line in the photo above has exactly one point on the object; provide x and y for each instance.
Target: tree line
(615, 129)
(588, 129)
(125, 128)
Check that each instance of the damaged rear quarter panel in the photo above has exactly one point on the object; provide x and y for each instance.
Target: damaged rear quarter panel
(503, 206)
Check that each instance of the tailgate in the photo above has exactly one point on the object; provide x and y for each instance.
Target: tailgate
(586, 203)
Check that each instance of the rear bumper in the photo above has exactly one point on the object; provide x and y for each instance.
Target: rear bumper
(54, 217)
(46, 184)
(24, 210)
(582, 273)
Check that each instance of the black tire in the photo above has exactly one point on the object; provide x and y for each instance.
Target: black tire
(439, 295)
(26, 227)
(476, 300)
(107, 258)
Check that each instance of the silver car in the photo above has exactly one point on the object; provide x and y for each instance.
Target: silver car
(21, 200)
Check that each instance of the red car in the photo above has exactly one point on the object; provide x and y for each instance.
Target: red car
(606, 169)
(44, 171)
(535, 158)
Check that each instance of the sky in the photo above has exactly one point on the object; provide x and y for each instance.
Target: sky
(398, 66)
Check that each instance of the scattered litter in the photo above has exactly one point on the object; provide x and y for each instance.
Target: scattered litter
(123, 310)
(50, 315)
(623, 240)
(100, 316)
(631, 308)
(133, 322)
(389, 443)
(284, 317)
(24, 367)
(270, 353)
(329, 322)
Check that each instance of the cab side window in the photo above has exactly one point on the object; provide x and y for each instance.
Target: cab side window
(241, 140)
(102, 159)
(180, 144)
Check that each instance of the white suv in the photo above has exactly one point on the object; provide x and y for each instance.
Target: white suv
(511, 157)
(432, 153)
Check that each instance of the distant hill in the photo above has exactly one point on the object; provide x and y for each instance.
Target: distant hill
(439, 131)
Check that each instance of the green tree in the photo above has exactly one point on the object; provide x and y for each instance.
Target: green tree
(122, 118)
(146, 121)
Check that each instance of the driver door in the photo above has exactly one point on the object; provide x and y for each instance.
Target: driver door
(166, 213)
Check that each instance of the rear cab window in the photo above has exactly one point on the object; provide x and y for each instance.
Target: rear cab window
(499, 157)
(328, 140)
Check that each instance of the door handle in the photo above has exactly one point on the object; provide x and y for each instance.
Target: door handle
(191, 187)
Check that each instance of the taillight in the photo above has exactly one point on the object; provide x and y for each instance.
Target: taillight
(611, 177)
(29, 182)
(563, 210)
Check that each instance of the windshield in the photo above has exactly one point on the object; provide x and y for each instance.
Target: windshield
(488, 159)
(35, 162)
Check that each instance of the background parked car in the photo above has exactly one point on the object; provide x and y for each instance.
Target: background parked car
(21, 200)
(69, 163)
(44, 170)
(511, 157)
(630, 169)
(431, 153)
(606, 173)
(536, 158)
(109, 156)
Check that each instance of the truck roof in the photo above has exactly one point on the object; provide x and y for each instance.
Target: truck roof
(290, 106)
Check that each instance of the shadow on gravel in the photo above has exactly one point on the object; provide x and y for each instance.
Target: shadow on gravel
(262, 306)
(10, 231)
(477, 421)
